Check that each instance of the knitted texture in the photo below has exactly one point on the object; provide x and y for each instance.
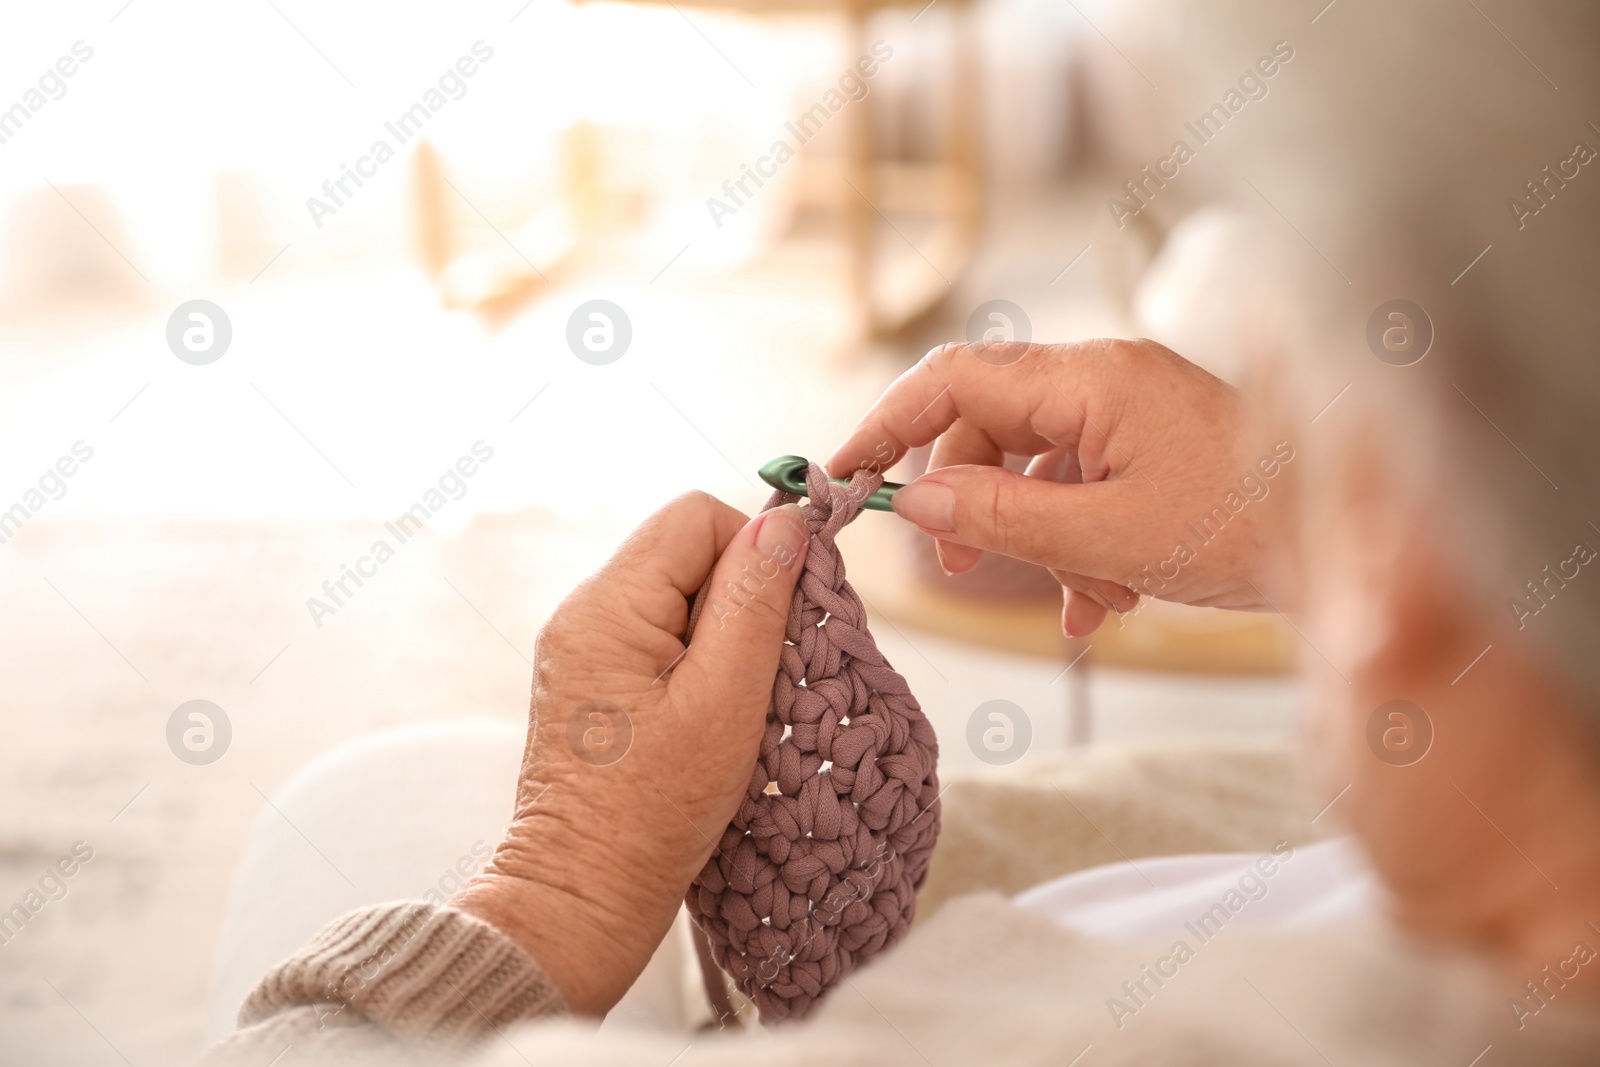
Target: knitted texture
(433, 976)
(820, 867)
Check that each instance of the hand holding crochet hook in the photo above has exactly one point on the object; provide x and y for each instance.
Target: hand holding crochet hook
(1133, 451)
(639, 748)
(602, 849)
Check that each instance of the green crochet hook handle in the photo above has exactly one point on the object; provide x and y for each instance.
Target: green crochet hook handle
(788, 474)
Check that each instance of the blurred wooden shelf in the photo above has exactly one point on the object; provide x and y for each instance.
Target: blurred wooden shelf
(891, 284)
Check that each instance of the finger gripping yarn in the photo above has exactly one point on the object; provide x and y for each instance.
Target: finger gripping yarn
(820, 866)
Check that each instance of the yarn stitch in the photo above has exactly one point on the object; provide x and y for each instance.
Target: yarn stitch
(819, 869)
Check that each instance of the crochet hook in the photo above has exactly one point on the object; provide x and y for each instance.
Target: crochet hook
(788, 474)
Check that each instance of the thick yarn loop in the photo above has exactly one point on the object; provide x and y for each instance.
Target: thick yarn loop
(820, 867)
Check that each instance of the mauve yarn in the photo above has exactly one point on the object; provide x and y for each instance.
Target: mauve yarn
(820, 867)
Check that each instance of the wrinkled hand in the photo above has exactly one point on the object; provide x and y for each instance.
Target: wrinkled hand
(1139, 482)
(638, 750)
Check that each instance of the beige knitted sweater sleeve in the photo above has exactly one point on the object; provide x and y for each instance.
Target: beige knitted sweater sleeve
(392, 982)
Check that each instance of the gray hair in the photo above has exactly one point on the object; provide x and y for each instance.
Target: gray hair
(1421, 152)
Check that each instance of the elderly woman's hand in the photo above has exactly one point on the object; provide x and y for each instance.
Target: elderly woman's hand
(1139, 482)
(638, 749)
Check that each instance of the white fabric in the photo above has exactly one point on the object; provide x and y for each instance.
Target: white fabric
(1167, 896)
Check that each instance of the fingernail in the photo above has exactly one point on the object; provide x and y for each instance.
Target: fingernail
(931, 505)
(782, 528)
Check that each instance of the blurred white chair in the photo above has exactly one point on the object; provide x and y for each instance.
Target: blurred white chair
(391, 817)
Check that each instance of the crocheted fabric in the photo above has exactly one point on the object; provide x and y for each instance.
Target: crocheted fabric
(820, 867)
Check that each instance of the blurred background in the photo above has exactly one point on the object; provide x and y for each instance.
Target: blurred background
(275, 274)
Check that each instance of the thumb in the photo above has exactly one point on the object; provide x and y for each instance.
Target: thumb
(1094, 528)
(733, 652)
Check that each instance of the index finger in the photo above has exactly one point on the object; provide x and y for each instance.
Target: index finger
(1028, 397)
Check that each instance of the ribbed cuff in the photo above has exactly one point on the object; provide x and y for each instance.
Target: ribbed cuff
(431, 975)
